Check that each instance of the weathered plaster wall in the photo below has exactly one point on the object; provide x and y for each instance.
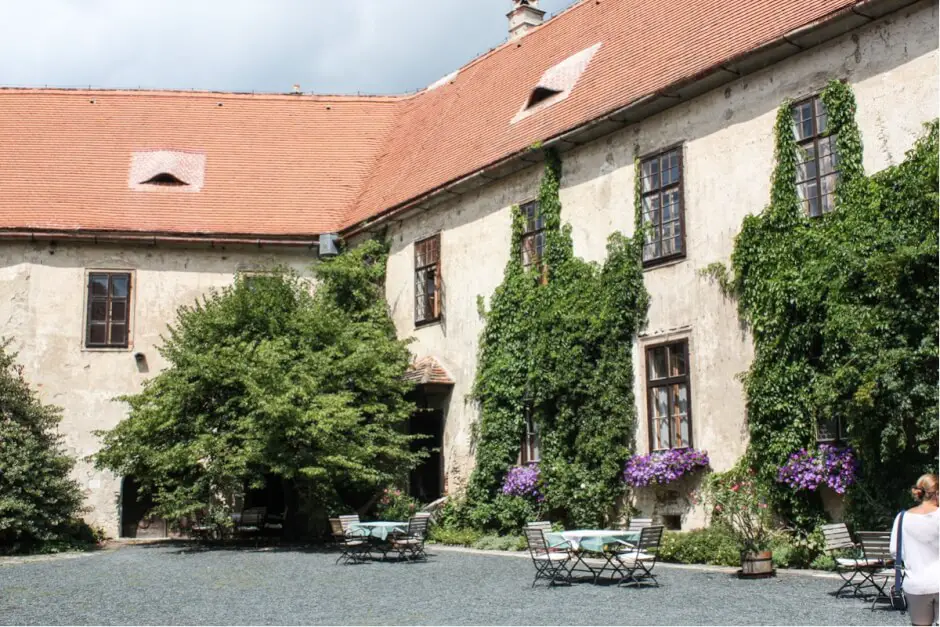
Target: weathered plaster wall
(42, 300)
(727, 143)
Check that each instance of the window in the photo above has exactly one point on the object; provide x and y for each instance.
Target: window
(531, 442)
(164, 178)
(541, 94)
(830, 431)
(661, 191)
(817, 164)
(533, 234)
(428, 280)
(668, 401)
(108, 316)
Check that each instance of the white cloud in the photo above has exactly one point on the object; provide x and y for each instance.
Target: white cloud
(327, 46)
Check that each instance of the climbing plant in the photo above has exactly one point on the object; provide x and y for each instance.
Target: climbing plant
(557, 343)
(843, 311)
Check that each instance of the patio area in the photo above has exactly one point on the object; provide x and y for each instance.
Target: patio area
(179, 584)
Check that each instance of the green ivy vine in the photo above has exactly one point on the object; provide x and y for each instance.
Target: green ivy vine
(560, 344)
(843, 312)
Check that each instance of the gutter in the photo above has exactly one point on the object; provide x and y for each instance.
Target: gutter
(106, 237)
(788, 44)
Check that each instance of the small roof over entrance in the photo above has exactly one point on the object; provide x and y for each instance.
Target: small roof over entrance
(427, 370)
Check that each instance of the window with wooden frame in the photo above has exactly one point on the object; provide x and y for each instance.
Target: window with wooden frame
(428, 280)
(668, 396)
(531, 442)
(817, 168)
(107, 319)
(663, 211)
(533, 235)
(830, 431)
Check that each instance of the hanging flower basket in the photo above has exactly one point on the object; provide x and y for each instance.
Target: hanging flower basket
(828, 465)
(523, 481)
(663, 467)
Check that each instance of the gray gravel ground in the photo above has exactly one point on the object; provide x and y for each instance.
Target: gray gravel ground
(175, 585)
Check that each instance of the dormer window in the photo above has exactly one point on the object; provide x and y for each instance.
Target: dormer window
(541, 94)
(164, 178)
(167, 171)
(557, 82)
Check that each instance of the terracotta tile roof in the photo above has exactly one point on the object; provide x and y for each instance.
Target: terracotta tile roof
(454, 130)
(274, 165)
(300, 165)
(428, 370)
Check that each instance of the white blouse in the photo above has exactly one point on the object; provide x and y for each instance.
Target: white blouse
(921, 547)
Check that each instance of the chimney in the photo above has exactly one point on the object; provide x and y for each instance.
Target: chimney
(525, 16)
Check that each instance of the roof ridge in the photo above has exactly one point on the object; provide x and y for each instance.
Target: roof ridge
(196, 93)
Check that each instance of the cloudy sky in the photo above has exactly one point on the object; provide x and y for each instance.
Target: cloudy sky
(325, 46)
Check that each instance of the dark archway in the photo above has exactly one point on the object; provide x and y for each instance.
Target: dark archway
(136, 521)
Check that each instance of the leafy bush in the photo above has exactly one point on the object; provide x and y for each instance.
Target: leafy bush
(504, 514)
(713, 545)
(500, 543)
(396, 505)
(457, 536)
(39, 502)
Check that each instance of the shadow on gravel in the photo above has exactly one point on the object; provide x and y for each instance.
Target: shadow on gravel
(191, 547)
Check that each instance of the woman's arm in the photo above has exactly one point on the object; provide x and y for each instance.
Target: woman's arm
(894, 538)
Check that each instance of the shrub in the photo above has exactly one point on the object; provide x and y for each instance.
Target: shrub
(457, 536)
(39, 502)
(713, 545)
(396, 505)
(500, 543)
(504, 515)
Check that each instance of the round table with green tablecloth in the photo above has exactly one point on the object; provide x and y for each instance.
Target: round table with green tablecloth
(380, 529)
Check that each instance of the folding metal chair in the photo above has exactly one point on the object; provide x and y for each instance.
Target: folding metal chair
(549, 564)
(636, 565)
(851, 565)
(352, 548)
(876, 545)
(412, 543)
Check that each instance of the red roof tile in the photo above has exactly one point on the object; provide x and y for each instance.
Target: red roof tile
(301, 165)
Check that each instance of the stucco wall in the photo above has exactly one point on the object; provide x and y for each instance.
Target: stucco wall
(42, 300)
(727, 143)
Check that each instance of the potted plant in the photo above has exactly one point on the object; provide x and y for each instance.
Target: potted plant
(739, 502)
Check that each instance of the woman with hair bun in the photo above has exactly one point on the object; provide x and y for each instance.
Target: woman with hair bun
(920, 548)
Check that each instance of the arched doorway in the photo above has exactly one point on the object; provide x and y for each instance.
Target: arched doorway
(136, 521)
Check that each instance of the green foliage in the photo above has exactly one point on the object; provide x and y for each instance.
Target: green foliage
(713, 545)
(265, 377)
(455, 536)
(559, 340)
(503, 513)
(843, 310)
(718, 546)
(396, 505)
(739, 502)
(500, 543)
(39, 502)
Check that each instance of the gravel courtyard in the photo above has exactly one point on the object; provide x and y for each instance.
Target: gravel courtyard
(159, 584)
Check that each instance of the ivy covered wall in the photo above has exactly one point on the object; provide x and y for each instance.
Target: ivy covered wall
(843, 311)
(558, 342)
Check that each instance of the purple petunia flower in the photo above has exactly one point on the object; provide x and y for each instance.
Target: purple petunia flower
(829, 465)
(523, 481)
(663, 467)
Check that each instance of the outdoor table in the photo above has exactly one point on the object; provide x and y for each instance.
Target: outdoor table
(582, 541)
(379, 530)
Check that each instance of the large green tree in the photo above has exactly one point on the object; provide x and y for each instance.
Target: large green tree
(268, 377)
(39, 502)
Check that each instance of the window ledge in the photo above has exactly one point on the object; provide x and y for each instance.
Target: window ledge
(107, 349)
(663, 263)
(428, 323)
